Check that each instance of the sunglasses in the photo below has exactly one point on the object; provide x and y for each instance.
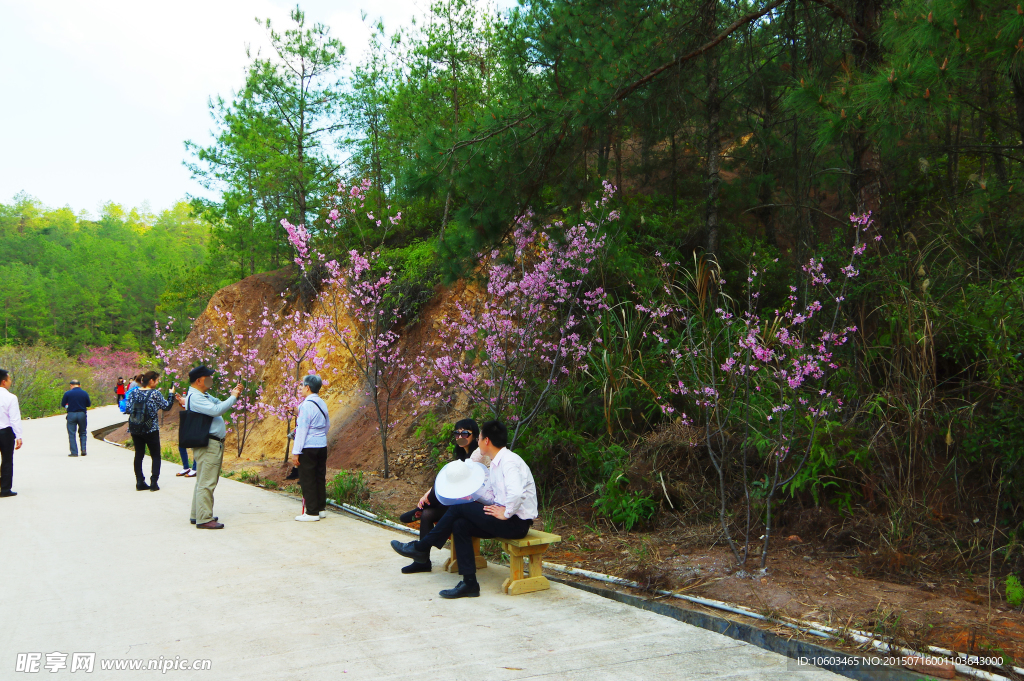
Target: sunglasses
(463, 433)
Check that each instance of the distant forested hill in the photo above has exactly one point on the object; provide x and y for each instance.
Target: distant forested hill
(72, 281)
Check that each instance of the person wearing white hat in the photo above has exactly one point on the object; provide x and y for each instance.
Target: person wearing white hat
(512, 496)
(430, 509)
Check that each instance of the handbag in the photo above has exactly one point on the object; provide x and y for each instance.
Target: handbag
(193, 428)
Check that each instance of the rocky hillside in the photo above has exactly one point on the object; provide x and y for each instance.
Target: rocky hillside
(353, 441)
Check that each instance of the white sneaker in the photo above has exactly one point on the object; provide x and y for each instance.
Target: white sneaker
(307, 518)
(323, 514)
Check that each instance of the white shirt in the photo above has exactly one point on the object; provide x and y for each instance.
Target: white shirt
(10, 413)
(312, 424)
(510, 484)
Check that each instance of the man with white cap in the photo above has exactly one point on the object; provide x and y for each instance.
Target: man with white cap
(512, 494)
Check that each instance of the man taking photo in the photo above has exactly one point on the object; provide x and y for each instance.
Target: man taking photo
(209, 458)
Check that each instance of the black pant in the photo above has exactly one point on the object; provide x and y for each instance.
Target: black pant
(313, 478)
(430, 514)
(6, 459)
(465, 521)
(141, 441)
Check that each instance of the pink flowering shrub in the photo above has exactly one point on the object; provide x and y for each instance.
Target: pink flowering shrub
(234, 356)
(534, 325)
(107, 364)
(295, 338)
(764, 377)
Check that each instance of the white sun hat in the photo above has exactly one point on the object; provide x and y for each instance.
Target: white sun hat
(458, 481)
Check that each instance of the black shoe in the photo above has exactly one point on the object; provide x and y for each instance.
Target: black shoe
(153, 486)
(410, 516)
(409, 551)
(193, 520)
(293, 474)
(462, 590)
(83, 454)
(75, 455)
(416, 567)
(141, 485)
(8, 493)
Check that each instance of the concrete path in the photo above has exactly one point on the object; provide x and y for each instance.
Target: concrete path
(90, 565)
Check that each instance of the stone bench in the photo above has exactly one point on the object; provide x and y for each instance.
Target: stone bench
(532, 546)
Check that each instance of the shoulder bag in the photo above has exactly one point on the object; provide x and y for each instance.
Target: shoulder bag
(193, 428)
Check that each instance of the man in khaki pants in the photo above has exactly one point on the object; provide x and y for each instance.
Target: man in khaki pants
(208, 459)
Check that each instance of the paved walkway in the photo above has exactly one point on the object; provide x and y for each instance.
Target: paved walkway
(88, 564)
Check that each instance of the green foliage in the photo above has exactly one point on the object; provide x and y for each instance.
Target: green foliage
(988, 328)
(1014, 591)
(249, 476)
(348, 487)
(835, 458)
(72, 281)
(270, 159)
(437, 436)
(40, 375)
(620, 505)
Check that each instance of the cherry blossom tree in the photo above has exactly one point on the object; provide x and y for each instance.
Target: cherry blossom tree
(360, 305)
(534, 324)
(107, 365)
(296, 338)
(235, 355)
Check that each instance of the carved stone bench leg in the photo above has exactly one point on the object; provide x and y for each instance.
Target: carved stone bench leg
(452, 563)
(518, 582)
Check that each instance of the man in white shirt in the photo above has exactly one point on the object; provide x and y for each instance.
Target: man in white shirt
(513, 495)
(10, 434)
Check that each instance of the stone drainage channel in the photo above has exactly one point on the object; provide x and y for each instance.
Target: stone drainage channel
(761, 638)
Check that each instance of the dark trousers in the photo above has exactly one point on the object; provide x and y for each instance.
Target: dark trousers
(430, 514)
(313, 478)
(6, 459)
(152, 440)
(183, 453)
(465, 521)
(77, 422)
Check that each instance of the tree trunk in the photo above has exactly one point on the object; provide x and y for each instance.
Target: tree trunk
(766, 213)
(672, 188)
(867, 181)
(992, 118)
(1017, 77)
(714, 152)
(714, 142)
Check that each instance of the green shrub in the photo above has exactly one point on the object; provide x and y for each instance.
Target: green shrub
(617, 503)
(40, 376)
(1014, 591)
(249, 476)
(349, 487)
(436, 436)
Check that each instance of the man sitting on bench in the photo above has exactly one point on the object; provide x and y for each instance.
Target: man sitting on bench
(513, 496)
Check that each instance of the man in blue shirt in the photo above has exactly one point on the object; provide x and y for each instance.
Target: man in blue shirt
(76, 401)
(208, 459)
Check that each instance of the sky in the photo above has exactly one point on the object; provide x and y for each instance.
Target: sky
(98, 96)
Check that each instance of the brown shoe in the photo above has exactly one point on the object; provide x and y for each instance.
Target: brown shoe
(212, 525)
